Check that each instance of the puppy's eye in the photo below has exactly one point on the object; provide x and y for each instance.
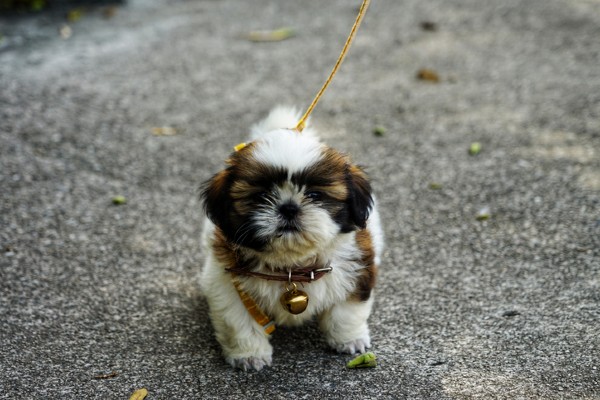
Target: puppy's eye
(314, 195)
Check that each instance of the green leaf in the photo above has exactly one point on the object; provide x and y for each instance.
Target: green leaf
(271, 36)
(38, 5)
(484, 214)
(379, 130)
(475, 148)
(366, 360)
(119, 200)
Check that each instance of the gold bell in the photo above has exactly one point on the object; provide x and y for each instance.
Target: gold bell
(293, 300)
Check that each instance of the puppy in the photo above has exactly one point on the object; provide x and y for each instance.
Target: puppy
(290, 220)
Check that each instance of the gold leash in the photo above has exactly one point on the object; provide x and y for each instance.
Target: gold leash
(359, 17)
(254, 310)
(302, 123)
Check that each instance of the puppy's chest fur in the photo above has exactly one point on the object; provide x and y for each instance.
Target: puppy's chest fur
(352, 276)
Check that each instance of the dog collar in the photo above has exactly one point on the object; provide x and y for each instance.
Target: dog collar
(293, 300)
(303, 275)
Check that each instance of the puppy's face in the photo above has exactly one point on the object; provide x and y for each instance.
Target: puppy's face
(287, 195)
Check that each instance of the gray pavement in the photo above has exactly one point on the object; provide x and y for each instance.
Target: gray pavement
(504, 308)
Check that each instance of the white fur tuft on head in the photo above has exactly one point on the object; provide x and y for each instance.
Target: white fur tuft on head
(282, 117)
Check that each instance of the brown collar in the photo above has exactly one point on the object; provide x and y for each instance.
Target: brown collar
(297, 275)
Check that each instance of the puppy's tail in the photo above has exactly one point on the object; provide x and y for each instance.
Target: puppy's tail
(280, 117)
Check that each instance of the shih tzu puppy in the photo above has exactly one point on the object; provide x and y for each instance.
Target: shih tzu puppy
(292, 233)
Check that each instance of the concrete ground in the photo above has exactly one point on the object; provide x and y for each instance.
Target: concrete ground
(98, 300)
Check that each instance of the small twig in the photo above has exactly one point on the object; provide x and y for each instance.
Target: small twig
(110, 375)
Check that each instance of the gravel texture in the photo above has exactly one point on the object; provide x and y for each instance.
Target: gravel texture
(467, 307)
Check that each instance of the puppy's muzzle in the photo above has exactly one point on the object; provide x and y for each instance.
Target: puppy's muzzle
(289, 211)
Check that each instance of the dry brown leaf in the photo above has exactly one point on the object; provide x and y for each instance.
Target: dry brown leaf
(109, 12)
(430, 75)
(164, 131)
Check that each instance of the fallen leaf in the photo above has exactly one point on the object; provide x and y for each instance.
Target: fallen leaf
(119, 200)
(475, 148)
(379, 130)
(429, 75)
(38, 5)
(65, 31)
(435, 186)
(366, 360)
(483, 214)
(429, 26)
(109, 12)
(139, 394)
(271, 35)
(164, 131)
(74, 15)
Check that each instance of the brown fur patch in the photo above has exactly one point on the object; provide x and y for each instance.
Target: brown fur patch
(228, 254)
(358, 174)
(327, 175)
(218, 185)
(223, 250)
(250, 178)
(241, 192)
(366, 279)
(254, 173)
(241, 189)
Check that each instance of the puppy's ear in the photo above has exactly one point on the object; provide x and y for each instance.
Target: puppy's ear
(217, 203)
(360, 199)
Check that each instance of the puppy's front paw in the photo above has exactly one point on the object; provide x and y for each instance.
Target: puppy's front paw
(352, 347)
(250, 363)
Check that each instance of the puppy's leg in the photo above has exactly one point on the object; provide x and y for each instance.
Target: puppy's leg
(244, 342)
(345, 326)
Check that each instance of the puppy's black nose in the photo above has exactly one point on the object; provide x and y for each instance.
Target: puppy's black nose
(289, 211)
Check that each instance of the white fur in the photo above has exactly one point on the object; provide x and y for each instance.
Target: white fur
(281, 118)
(288, 148)
(281, 145)
(343, 322)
